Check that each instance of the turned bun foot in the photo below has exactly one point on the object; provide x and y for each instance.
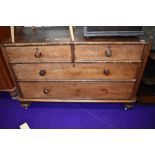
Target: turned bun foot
(128, 106)
(14, 94)
(25, 104)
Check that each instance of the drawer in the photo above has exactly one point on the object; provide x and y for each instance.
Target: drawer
(108, 52)
(77, 90)
(81, 71)
(39, 54)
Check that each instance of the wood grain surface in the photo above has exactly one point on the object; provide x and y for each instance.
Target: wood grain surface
(98, 52)
(77, 90)
(47, 53)
(80, 71)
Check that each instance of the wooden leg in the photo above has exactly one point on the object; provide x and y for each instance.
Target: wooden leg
(14, 94)
(25, 104)
(128, 106)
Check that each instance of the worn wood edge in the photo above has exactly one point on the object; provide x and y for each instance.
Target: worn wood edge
(86, 80)
(35, 44)
(71, 42)
(8, 90)
(109, 61)
(80, 100)
(106, 61)
(108, 42)
(36, 62)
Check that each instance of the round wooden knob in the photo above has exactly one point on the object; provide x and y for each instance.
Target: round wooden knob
(106, 71)
(108, 53)
(42, 72)
(37, 53)
(45, 91)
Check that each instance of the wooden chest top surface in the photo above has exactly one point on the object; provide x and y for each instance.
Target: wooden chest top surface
(48, 36)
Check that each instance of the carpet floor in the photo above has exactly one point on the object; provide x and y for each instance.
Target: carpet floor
(75, 115)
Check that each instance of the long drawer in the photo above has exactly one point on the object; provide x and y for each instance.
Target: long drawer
(108, 52)
(61, 53)
(81, 71)
(77, 90)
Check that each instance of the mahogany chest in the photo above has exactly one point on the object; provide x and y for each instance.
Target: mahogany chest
(92, 70)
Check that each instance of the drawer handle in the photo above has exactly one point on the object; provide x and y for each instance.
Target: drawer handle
(37, 53)
(106, 71)
(108, 53)
(42, 72)
(46, 91)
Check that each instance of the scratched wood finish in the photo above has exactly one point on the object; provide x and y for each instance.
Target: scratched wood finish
(81, 71)
(77, 90)
(98, 52)
(45, 53)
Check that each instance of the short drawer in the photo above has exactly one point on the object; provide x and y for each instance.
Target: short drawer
(39, 53)
(77, 90)
(81, 71)
(108, 52)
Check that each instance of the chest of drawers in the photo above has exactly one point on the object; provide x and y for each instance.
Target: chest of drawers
(78, 71)
(47, 66)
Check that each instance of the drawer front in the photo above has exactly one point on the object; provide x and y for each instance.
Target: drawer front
(81, 71)
(108, 52)
(76, 90)
(39, 54)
